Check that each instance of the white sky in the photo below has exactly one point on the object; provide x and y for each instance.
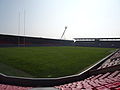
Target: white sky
(47, 18)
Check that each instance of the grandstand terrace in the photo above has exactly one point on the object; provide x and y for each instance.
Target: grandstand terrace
(14, 40)
(98, 42)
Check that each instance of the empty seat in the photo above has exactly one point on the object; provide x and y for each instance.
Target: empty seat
(105, 81)
(11, 87)
(114, 60)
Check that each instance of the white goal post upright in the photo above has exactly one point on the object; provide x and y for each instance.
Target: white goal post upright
(24, 26)
(18, 29)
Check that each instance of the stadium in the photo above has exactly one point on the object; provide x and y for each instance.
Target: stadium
(30, 60)
(99, 74)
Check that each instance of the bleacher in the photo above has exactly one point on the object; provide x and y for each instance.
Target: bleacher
(14, 41)
(98, 42)
(10, 87)
(107, 81)
(112, 61)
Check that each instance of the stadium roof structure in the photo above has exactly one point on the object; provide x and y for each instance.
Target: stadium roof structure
(27, 36)
(97, 39)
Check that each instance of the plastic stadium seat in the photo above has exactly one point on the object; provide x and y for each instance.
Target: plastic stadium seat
(66, 89)
(102, 88)
(114, 74)
(76, 88)
(10, 87)
(112, 61)
(104, 76)
(118, 88)
(113, 85)
(107, 81)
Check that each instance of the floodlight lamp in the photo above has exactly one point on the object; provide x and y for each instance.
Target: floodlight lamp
(65, 27)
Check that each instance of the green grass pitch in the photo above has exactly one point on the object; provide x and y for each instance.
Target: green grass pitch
(45, 62)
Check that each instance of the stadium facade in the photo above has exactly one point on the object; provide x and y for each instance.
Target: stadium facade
(14, 40)
(104, 75)
(98, 42)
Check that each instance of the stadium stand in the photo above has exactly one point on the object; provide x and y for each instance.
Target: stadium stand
(112, 61)
(10, 87)
(98, 42)
(105, 77)
(107, 81)
(14, 40)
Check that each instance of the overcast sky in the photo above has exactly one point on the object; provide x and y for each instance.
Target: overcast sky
(48, 18)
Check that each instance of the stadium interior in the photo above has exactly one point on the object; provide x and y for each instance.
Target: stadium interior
(104, 75)
(14, 41)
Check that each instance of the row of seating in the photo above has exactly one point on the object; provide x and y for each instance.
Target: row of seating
(10, 87)
(112, 61)
(116, 55)
(100, 81)
(105, 81)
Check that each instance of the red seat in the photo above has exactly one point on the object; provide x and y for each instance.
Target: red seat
(66, 89)
(10, 87)
(105, 81)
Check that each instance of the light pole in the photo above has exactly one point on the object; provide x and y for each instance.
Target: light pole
(64, 32)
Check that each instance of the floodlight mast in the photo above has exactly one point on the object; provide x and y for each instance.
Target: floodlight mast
(64, 32)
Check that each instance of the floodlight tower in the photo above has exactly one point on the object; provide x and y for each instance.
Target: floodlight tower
(64, 32)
